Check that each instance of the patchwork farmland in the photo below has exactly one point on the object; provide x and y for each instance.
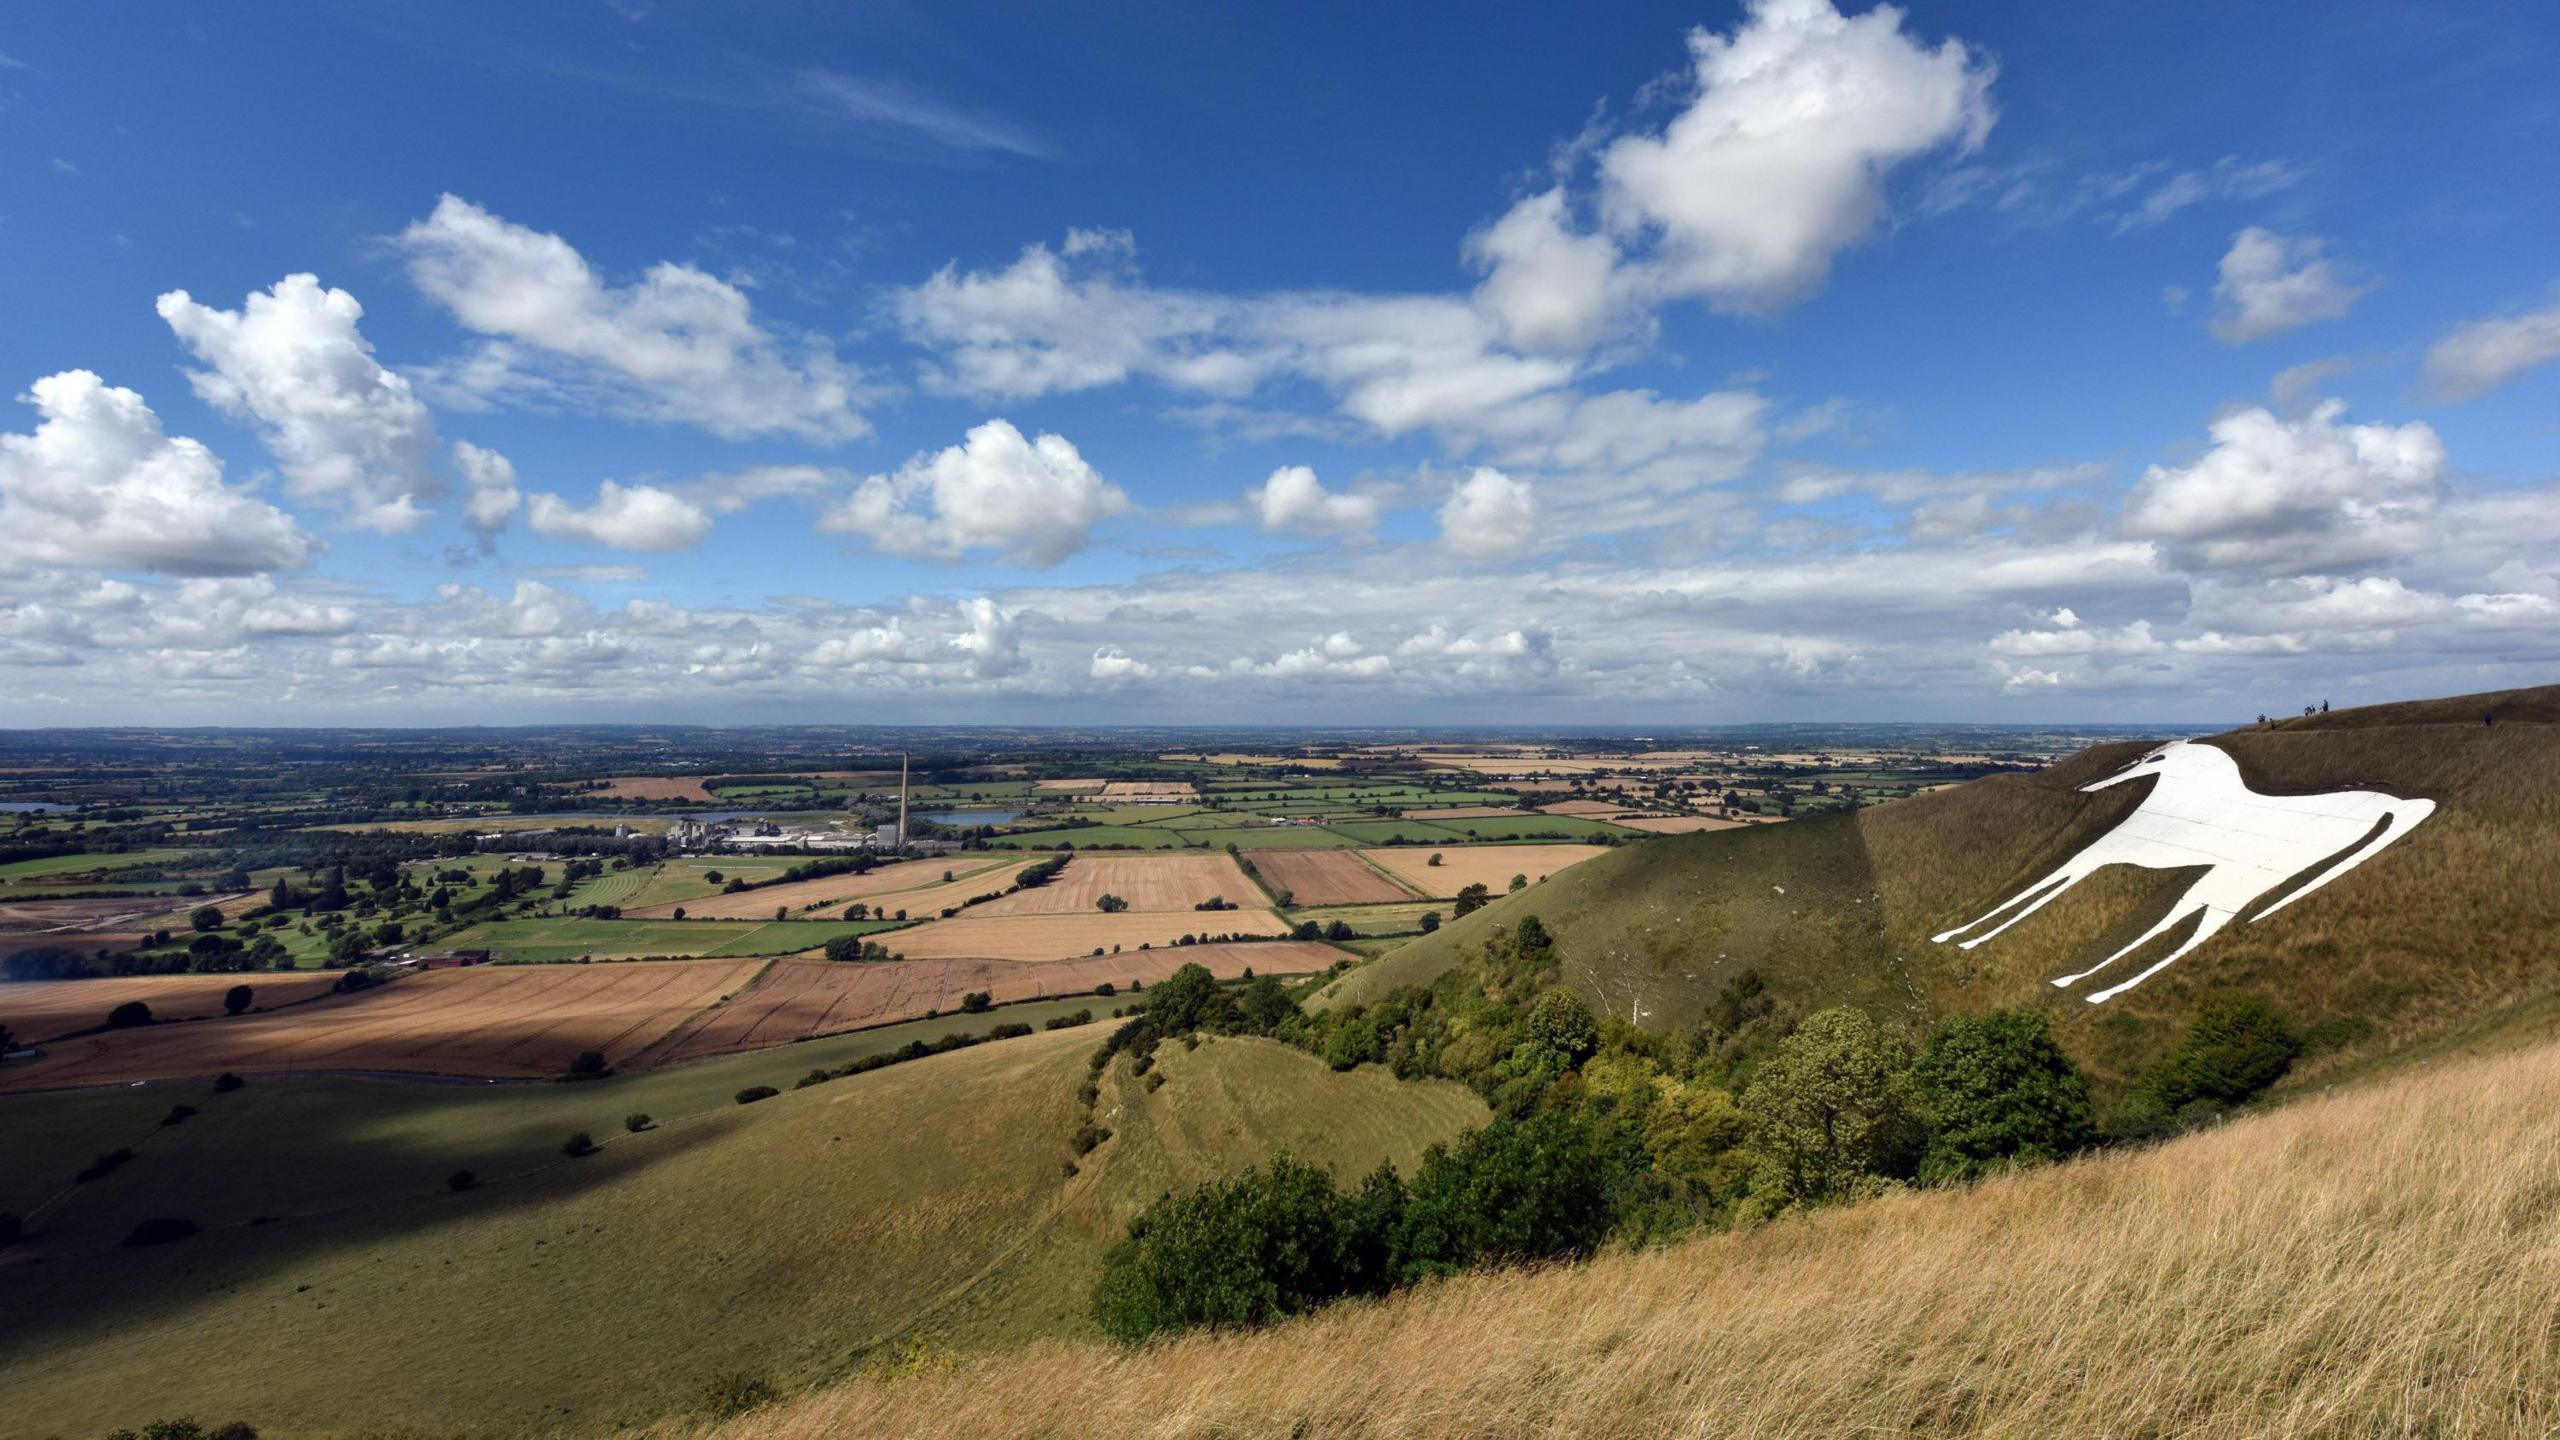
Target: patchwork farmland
(915, 886)
(797, 999)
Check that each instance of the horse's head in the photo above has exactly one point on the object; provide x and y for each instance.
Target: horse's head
(2158, 761)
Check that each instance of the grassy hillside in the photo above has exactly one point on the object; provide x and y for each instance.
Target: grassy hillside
(2376, 1262)
(2445, 930)
(339, 1285)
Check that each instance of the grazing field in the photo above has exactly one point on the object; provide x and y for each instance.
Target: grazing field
(823, 1229)
(1061, 937)
(1679, 824)
(1147, 882)
(486, 1020)
(656, 787)
(835, 891)
(39, 1010)
(1462, 812)
(679, 882)
(567, 937)
(1491, 866)
(1329, 877)
(795, 999)
(55, 867)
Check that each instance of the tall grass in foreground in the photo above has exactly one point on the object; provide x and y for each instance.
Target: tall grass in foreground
(2378, 1262)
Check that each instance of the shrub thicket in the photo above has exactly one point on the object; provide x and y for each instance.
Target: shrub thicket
(1998, 1090)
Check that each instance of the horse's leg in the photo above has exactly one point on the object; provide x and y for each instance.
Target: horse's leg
(2043, 892)
(2212, 922)
(2405, 815)
(2178, 912)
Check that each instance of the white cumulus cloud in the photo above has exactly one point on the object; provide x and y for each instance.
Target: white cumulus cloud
(489, 495)
(626, 517)
(1489, 514)
(1294, 501)
(342, 428)
(100, 484)
(1031, 502)
(2293, 495)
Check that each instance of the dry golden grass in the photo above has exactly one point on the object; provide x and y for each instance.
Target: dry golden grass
(1329, 877)
(2376, 1262)
(1678, 824)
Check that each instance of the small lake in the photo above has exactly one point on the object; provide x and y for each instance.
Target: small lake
(970, 817)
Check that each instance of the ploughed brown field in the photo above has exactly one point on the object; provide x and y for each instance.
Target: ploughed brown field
(978, 936)
(915, 886)
(1147, 882)
(522, 1021)
(39, 1010)
(1328, 877)
(656, 787)
(1491, 866)
(796, 999)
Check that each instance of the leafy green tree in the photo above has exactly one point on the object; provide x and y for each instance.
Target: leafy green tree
(1180, 1001)
(205, 917)
(1560, 1022)
(235, 1000)
(1998, 1089)
(2235, 1047)
(1512, 1192)
(1832, 1110)
(1265, 1005)
(1430, 921)
(1472, 898)
(128, 1015)
(1241, 1251)
(1110, 904)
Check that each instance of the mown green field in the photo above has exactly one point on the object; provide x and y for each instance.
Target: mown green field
(918, 1209)
(55, 866)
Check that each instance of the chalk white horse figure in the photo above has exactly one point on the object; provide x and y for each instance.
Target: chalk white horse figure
(2201, 813)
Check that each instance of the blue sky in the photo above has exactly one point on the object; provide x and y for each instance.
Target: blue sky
(957, 363)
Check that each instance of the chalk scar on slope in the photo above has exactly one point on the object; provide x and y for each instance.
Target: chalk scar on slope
(2201, 814)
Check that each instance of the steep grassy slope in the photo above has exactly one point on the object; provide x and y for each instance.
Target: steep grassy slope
(2376, 1262)
(338, 1285)
(2446, 929)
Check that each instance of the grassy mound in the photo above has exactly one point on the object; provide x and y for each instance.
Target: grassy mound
(339, 1283)
(2447, 929)
(2368, 1263)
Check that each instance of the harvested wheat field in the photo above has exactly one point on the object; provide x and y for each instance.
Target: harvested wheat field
(1491, 866)
(655, 787)
(2375, 1262)
(796, 999)
(1595, 809)
(1062, 937)
(39, 1010)
(490, 1020)
(1328, 877)
(915, 886)
(1147, 882)
(1677, 824)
